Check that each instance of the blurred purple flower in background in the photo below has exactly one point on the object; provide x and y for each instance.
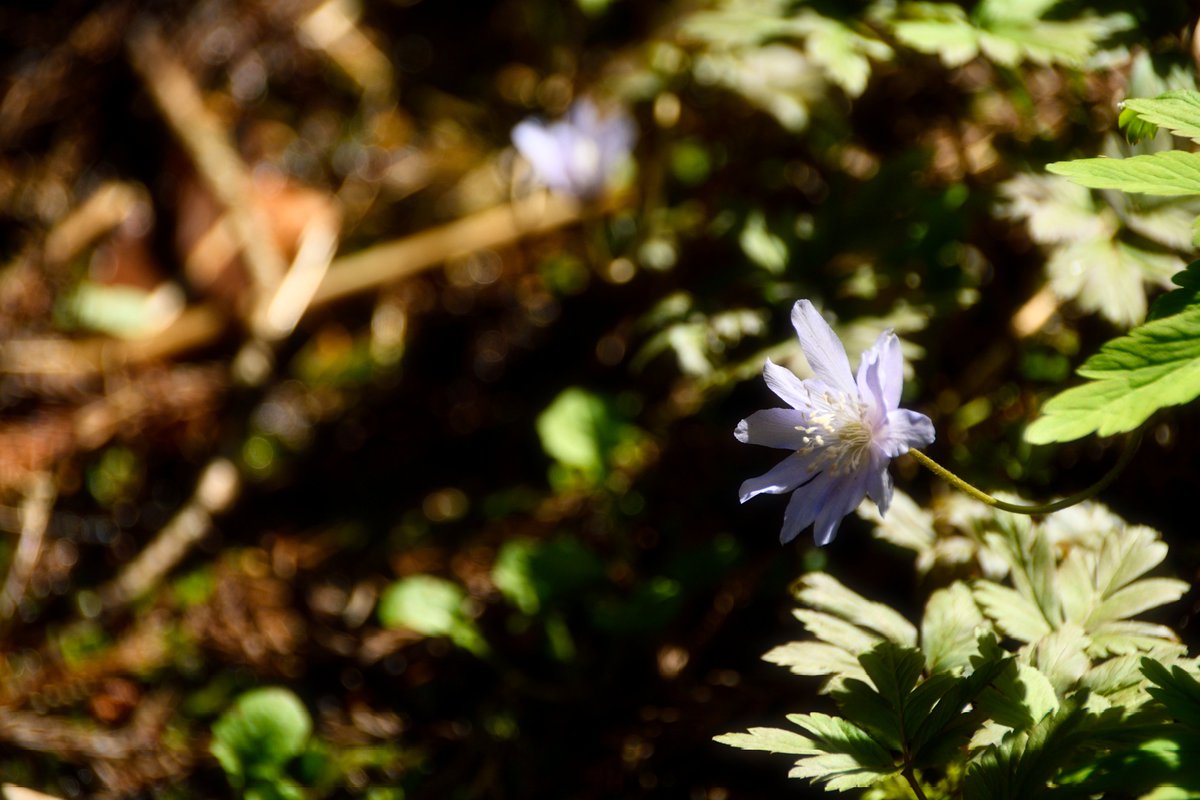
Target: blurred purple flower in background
(577, 155)
(844, 431)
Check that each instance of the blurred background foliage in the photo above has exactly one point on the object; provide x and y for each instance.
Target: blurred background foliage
(450, 510)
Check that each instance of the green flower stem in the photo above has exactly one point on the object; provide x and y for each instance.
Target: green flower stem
(1131, 444)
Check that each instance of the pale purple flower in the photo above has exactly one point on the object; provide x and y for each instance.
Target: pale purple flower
(843, 432)
(577, 154)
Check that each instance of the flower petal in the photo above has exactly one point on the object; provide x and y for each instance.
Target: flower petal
(783, 477)
(541, 147)
(822, 348)
(804, 506)
(879, 487)
(783, 382)
(772, 427)
(907, 429)
(881, 371)
(844, 497)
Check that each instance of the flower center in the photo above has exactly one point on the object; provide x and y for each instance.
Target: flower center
(838, 434)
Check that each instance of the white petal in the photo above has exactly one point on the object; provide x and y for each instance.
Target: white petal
(772, 427)
(879, 487)
(907, 429)
(804, 506)
(786, 386)
(822, 348)
(844, 497)
(783, 477)
(882, 366)
(542, 149)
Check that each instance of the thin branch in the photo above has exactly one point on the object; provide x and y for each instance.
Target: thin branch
(213, 153)
(215, 491)
(364, 271)
(35, 518)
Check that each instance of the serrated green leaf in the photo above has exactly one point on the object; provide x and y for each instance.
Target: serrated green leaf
(1177, 111)
(1168, 173)
(954, 42)
(1012, 612)
(1135, 128)
(841, 51)
(837, 735)
(1178, 691)
(1156, 365)
(1132, 636)
(771, 740)
(836, 631)
(1178, 300)
(1062, 656)
(1138, 597)
(1021, 766)
(822, 591)
(1019, 697)
(948, 627)
(1107, 276)
(815, 659)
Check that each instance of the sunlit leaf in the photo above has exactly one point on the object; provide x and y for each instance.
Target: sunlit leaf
(1019, 697)
(1062, 656)
(1156, 365)
(1014, 613)
(1172, 172)
(1178, 112)
(816, 659)
(431, 606)
(771, 740)
(264, 729)
(948, 627)
(836, 631)
(761, 246)
(851, 759)
(824, 592)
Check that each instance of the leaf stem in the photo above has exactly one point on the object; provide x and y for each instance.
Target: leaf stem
(911, 777)
(1131, 445)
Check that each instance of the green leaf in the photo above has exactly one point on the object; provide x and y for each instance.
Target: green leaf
(952, 40)
(531, 573)
(1107, 275)
(1176, 301)
(824, 592)
(849, 757)
(1022, 766)
(1139, 597)
(948, 627)
(1168, 173)
(836, 631)
(1062, 656)
(761, 246)
(579, 430)
(431, 606)
(1178, 691)
(1015, 614)
(1178, 112)
(1019, 697)
(1156, 365)
(816, 659)
(881, 709)
(771, 740)
(1131, 636)
(263, 730)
